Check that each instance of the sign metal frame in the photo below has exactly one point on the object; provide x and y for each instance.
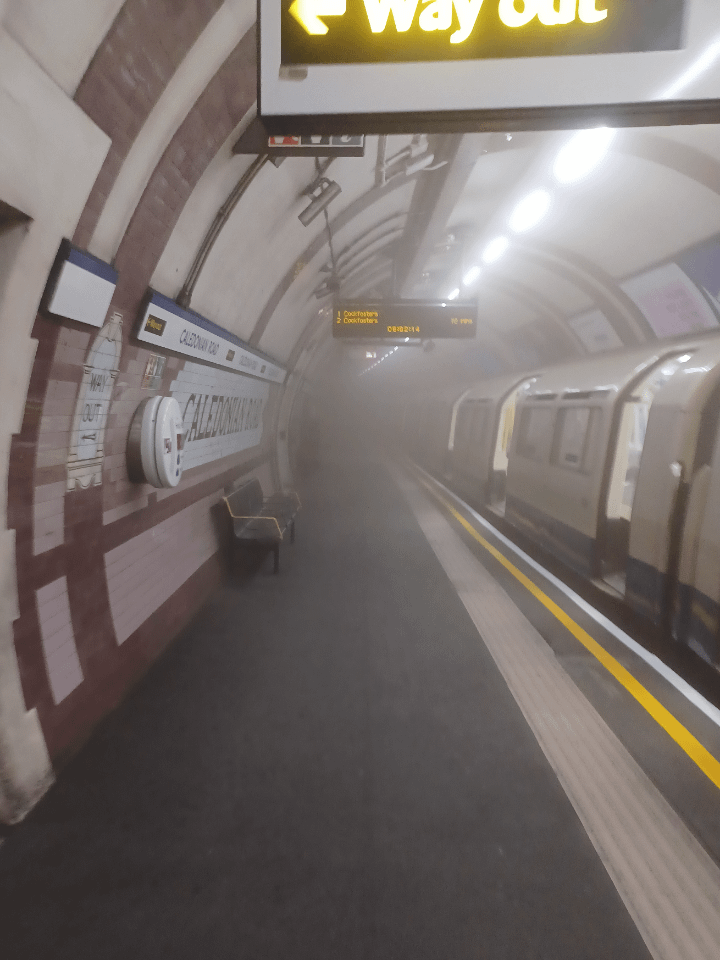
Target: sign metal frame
(291, 103)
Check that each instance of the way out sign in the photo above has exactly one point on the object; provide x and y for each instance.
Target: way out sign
(392, 31)
(398, 66)
(85, 457)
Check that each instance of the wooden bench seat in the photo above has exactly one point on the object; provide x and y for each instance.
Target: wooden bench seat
(260, 520)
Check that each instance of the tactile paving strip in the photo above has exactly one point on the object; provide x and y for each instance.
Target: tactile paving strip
(669, 884)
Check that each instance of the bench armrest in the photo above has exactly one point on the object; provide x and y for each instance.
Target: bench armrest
(269, 519)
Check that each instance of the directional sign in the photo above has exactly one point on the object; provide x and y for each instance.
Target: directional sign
(386, 66)
(308, 12)
(404, 320)
(387, 31)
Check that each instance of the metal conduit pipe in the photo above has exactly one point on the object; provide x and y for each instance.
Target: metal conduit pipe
(221, 218)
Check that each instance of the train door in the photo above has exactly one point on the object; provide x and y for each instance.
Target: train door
(453, 429)
(476, 465)
(629, 445)
(505, 425)
(695, 600)
(463, 435)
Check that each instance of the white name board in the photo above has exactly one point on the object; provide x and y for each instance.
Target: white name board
(167, 325)
(83, 289)
(222, 412)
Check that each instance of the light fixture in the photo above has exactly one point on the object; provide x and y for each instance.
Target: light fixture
(471, 276)
(582, 153)
(454, 294)
(322, 191)
(530, 211)
(495, 249)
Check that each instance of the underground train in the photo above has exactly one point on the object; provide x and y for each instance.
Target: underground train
(612, 464)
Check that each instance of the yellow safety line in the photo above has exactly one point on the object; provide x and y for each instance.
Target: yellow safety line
(685, 740)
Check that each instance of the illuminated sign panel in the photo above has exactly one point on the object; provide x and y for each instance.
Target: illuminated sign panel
(401, 319)
(402, 66)
(391, 31)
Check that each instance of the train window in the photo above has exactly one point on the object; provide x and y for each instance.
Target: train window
(479, 424)
(462, 431)
(574, 437)
(534, 432)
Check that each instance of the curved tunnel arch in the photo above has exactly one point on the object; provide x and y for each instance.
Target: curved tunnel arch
(108, 142)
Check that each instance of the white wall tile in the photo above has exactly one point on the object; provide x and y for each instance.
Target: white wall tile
(58, 639)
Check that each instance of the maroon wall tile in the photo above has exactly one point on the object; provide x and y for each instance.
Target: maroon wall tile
(133, 65)
(142, 50)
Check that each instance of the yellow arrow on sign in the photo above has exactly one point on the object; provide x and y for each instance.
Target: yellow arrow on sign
(306, 12)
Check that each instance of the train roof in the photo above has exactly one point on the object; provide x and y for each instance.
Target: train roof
(606, 374)
(497, 387)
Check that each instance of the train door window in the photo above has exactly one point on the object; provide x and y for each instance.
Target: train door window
(534, 432)
(463, 433)
(575, 438)
(477, 438)
(503, 438)
(630, 440)
(506, 425)
(631, 437)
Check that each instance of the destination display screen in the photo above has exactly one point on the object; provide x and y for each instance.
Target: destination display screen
(402, 319)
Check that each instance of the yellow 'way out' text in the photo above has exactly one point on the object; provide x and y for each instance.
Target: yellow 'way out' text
(437, 14)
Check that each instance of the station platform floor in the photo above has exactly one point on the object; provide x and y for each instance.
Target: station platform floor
(393, 750)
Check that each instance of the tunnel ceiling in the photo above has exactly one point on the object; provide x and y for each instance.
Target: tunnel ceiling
(414, 216)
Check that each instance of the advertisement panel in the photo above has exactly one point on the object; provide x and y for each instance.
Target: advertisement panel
(670, 301)
(702, 264)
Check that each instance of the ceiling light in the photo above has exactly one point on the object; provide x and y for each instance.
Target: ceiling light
(530, 211)
(582, 153)
(471, 276)
(495, 249)
(454, 294)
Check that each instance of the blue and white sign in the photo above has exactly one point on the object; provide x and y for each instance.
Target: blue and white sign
(84, 287)
(167, 325)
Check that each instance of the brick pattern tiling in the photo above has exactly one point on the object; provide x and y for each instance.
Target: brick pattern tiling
(142, 50)
(49, 510)
(144, 572)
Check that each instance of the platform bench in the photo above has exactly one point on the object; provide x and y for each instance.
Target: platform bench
(264, 521)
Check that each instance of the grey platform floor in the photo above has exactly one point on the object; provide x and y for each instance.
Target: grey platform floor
(326, 765)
